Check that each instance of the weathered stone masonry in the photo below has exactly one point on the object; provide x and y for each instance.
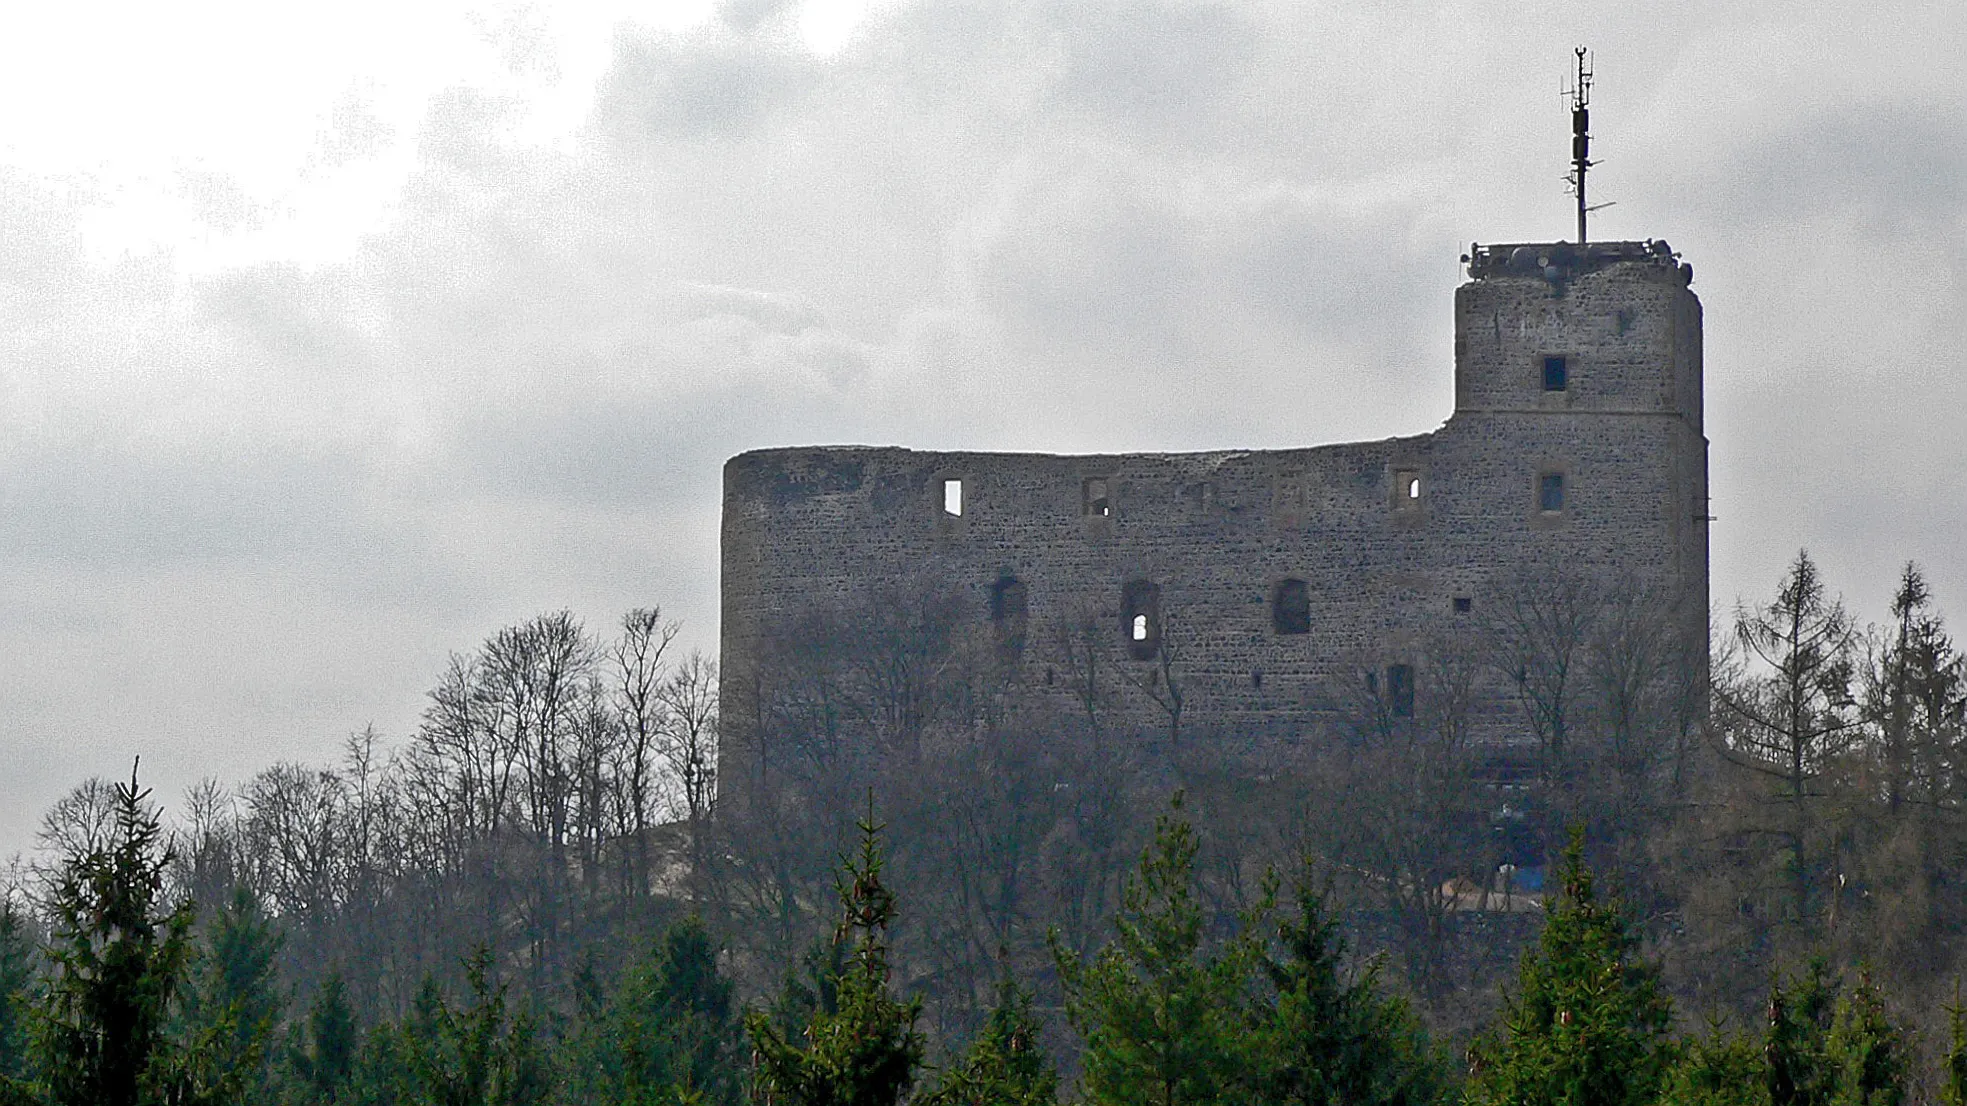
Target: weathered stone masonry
(1576, 440)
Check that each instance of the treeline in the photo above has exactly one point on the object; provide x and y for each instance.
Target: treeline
(123, 1006)
(1797, 795)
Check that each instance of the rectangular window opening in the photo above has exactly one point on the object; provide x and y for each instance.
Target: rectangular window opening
(1290, 607)
(1463, 604)
(1095, 502)
(1400, 690)
(1550, 492)
(953, 498)
(1557, 374)
(1406, 489)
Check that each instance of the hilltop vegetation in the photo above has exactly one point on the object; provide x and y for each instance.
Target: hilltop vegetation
(532, 899)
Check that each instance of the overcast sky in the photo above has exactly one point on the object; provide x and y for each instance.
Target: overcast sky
(334, 337)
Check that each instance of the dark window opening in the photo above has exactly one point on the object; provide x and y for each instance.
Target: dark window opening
(953, 498)
(1463, 604)
(1257, 680)
(1007, 599)
(1007, 616)
(1400, 690)
(1290, 607)
(1050, 675)
(1550, 492)
(1140, 619)
(1095, 502)
(1557, 374)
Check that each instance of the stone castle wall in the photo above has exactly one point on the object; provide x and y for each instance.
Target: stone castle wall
(1394, 541)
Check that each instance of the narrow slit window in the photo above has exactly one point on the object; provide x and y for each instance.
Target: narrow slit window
(953, 498)
(1550, 492)
(1139, 631)
(1095, 502)
(1007, 616)
(1400, 690)
(1557, 374)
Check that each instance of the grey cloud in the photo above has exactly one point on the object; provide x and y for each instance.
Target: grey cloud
(1149, 66)
(699, 86)
(1900, 168)
(749, 15)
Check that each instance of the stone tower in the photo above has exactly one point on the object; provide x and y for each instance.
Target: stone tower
(1278, 586)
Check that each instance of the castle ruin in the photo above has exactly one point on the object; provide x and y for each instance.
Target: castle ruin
(1274, 583)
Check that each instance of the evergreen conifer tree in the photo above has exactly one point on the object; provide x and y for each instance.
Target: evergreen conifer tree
(1004, 1065)
(234, 1003)
(865, 1052)
(1869, 1051)
(324, 1061)
(1953, 1071)
(1163, 1022)
(119, 956)
(1331, 1041)
(474, 1055)
(1719, 1069)
(670, 1033)
(1800, 1068)
(1588, 1024)
(16, 982)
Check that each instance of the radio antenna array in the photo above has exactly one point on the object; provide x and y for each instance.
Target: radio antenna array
(1579, 93)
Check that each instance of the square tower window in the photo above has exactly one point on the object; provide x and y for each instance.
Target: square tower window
(1557, 374)
(953, 498)
(1094, 501)
(1550, 492)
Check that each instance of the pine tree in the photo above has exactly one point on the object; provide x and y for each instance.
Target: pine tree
(1870, 1053)
(669, 1033)
(119, 956)
(1163, 1023)
(1720, 1069)
(1800, 1068)
(1330, 1041)
(1953, 1072)
(1588, 1024)
(865, 1052)
(1004, 1065)
(234, 1002)
(16, 980)
(474, 1055)
(325, 1061)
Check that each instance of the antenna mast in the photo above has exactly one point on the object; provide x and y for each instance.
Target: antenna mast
(1580, 96)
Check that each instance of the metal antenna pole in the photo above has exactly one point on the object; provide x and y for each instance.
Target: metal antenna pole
(1581, 135)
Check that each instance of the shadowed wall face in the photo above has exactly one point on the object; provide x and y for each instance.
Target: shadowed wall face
(1272, 587)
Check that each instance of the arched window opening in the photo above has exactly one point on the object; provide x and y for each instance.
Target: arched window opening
(1140, 618)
